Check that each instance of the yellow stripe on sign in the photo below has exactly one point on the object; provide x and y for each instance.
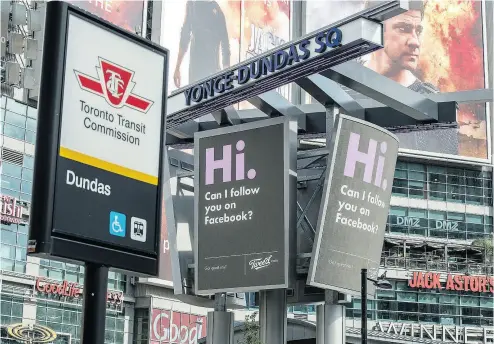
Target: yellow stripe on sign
(107, 166)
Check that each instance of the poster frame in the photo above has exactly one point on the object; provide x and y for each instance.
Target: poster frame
(289, 200)
(335, 140)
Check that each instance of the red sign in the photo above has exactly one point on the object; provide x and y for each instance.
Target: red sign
(10, 210)
(73, 290)
(176, 327)
(114, 83)
(432, 280)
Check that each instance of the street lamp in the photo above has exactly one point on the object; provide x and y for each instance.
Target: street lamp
(381, 283)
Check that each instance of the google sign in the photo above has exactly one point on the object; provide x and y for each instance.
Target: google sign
(170, 327)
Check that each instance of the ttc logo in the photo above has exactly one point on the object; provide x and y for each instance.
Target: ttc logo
(114, 83)
(225, 164)
(353, 156)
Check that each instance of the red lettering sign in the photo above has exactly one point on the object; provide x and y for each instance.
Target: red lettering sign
(432, 280)
(10, 210)
(73, 290)
(170, 327)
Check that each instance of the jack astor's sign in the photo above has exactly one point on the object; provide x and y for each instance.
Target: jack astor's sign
(72, 290)
(10, 210)
(432, 280)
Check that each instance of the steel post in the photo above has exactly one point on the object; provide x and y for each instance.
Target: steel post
(220, 322)
(273, 316)
(94, 306)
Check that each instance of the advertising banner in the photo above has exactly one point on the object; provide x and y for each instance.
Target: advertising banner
(170, 327)
(203, 38)
(124, 13)
(355, 204)
(266, 25)
(437, 46)
(105, 122)
(242, 206)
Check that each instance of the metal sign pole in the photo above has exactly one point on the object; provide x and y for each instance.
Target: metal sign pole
(273, 316)
(94, 308)
(220, 322)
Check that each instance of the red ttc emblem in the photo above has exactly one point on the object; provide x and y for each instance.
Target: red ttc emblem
(115, 84)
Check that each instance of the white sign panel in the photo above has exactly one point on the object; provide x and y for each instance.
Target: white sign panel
(113, 99)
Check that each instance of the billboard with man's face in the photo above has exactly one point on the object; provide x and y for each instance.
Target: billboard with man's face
(437, 46)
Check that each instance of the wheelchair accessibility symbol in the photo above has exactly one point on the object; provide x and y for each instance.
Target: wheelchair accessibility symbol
(117, 224)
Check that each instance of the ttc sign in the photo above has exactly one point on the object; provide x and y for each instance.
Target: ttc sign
(97, 186)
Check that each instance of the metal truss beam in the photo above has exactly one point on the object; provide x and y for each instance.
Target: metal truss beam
(227, 116)
(474, 96)
(311, 117)
(327, 92)
(376, 86)
(274, 104)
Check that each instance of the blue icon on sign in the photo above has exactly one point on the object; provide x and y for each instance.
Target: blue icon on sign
(117, 224)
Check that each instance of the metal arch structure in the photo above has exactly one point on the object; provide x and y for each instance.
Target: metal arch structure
(359, 34)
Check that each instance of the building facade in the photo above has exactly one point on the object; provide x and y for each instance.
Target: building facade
(439, 219)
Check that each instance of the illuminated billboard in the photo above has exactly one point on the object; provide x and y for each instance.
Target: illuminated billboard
(266, 25)
(123, 13)
(437, 46)
(205, 37)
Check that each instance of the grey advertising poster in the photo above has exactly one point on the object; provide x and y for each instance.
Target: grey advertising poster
(242, 195)
(355, 205)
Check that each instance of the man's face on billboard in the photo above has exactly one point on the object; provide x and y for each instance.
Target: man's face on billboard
(402, 39)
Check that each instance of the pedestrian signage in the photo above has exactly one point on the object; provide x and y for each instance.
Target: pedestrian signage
(245, 189)
(354, 207)
(97, 176)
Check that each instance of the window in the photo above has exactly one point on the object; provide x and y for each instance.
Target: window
(28, 161)
(11, 309)
(64, 318)
(75, 273)
(13, 132)
(442, 183)
(12, 170)
(443, 307)
(439, 224)
(16, 107)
